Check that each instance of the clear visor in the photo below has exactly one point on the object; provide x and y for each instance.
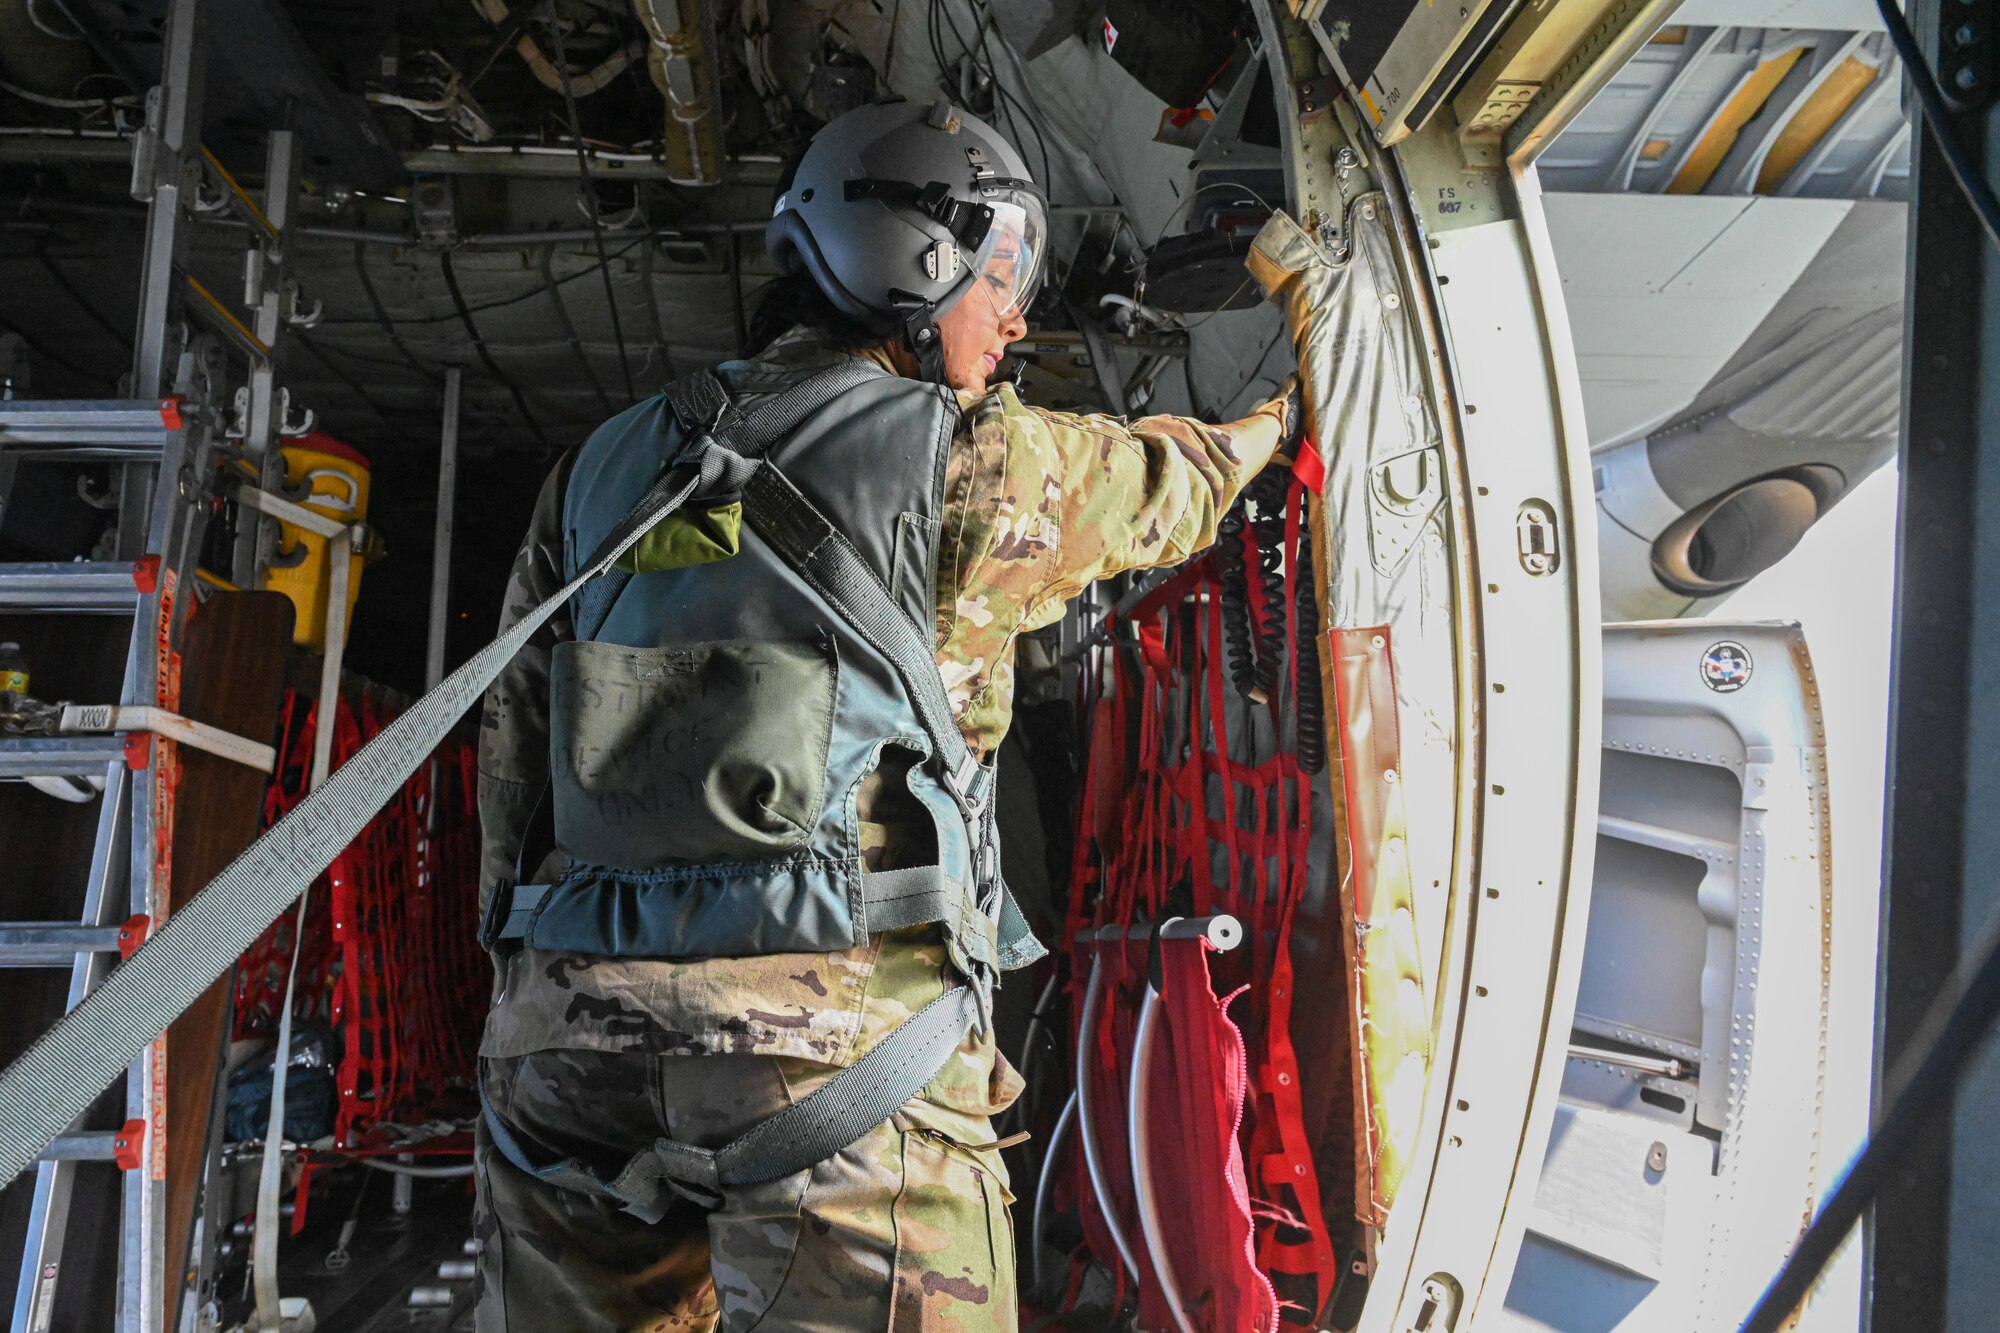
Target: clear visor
(1009, 263)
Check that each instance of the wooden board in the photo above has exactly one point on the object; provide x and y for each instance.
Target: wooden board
(232, 671)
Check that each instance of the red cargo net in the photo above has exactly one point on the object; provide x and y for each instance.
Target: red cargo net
(1182, 817)
(391, 958)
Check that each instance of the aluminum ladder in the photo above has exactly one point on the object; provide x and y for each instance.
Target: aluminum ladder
(156, 445)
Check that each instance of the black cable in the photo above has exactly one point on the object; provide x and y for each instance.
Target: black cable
(479, 345)
(992, 73)
(387, 325)
(569, 329)
(1308, 701)
(1937, 115)
(1267, 533)
(1238, 639)
(590, 199)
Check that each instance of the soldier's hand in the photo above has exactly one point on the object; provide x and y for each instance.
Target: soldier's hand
(1288, 405)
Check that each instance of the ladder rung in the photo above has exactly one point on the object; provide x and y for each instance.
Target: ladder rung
(59, 756)
(78, 585)
(89, 427)
(100, 1147)
(124, 1146)
(55, 943)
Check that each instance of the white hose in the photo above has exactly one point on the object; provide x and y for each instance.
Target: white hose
(1042, 1191)
(1139, 1136)
(1092, 995)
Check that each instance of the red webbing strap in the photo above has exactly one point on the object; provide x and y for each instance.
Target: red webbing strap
(1278, 1075)
(1200, 820)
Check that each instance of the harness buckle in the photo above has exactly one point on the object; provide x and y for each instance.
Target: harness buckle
(972, 783)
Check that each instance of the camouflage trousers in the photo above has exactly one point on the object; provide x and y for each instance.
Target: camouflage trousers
(906, 1229)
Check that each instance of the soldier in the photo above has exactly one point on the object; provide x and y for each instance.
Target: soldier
(769, 864)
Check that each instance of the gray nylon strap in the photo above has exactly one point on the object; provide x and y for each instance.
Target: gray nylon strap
(826, 1120)
(804, 1134)
(1018, 945)
(913, 896)
(51, 1083)
(747, 436)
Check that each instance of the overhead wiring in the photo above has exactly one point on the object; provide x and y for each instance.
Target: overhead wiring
(121, 337)
(356, 386)
(939, 10)
(591, 200)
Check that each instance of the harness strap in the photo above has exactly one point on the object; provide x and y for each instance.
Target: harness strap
(826, 1120)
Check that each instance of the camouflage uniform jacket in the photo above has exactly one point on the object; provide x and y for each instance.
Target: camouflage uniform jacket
(1037, 505)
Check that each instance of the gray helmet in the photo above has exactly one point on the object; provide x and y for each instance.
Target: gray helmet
(896, 211)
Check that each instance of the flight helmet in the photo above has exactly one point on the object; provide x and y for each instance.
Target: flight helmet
(896, 211)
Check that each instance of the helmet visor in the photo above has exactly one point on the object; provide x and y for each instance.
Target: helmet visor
(1008, 265)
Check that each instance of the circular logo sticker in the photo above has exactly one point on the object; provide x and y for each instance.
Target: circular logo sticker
(1726, 667)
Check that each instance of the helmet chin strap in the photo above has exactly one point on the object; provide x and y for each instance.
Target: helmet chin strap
(925, 343)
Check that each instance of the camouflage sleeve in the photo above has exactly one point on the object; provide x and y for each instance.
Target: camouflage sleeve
(1113, 495)
(514, 730)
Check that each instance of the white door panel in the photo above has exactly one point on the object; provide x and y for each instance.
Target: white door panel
(1684, 1159)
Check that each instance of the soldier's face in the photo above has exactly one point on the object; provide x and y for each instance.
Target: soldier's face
(977, 331)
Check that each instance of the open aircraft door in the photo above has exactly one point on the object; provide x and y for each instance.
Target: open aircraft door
(1460, 592)
(1684, 1159)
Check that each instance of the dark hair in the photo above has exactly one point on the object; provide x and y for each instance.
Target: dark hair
(794, 299)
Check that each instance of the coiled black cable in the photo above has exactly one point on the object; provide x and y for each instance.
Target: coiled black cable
(1308, 703)
(1237, 636)
(1267, 529)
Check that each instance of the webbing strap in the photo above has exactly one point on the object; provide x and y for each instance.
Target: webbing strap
(702, 397)
(807, 1132)
(52, 1082)
(912, 896)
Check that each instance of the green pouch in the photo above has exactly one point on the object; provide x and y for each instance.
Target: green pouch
(689, 537)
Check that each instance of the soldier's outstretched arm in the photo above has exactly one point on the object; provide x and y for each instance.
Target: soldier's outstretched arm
(1121, 495)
